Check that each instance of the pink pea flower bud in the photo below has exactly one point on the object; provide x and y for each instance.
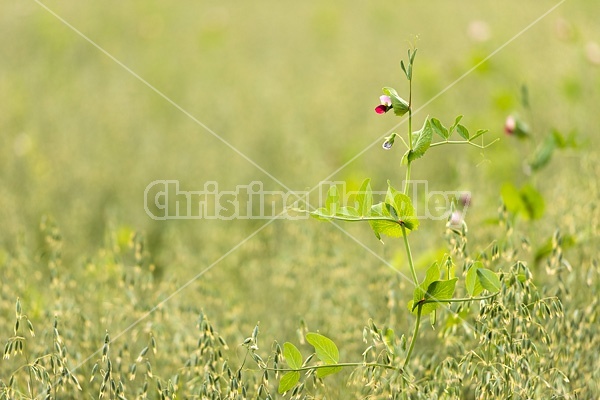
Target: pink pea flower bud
(385, 106)
(514, 126)
(510, 125)
(465, 199)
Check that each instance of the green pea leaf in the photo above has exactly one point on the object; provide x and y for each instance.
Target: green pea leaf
(331, 205)
(421, 141)
(439, 128)
(400, 212)
(462, 131)
(364, 198)
(384, 227)
(324, 371)
(412, 55)
(437, 290)
(392, 211)
(441, 290)
(326, 351)
(403, 207)
(292, 355)
(478, 133)
(432, 275)
(288, 381)
(489, 280)
(349, 212)
(403, 67)
(453, 127)
(472, 281)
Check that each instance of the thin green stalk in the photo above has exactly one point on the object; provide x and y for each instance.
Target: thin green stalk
(348, 364)
(479, 146)
(456, 300)
(410, 258)
(410, 141)
(410, 112)
(416, 281)
(414, 337)
(418, 321)
(356, 219)
(407, 178)
(408, 252)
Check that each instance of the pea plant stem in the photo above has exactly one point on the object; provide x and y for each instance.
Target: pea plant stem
(479, 146)
(410, 258)
(348, 364)
(414, 337)
(404, 236)
(407, 179)
(416, 282)
(354, 219)
(410, 141)
(458, 300)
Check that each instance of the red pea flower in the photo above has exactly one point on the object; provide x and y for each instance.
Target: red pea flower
(385, 106)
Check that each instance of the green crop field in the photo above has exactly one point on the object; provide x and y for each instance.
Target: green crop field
(99, 101)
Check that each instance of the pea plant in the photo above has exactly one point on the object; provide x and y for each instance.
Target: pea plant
(394, 217)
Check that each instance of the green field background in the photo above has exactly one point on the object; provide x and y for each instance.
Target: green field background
(292, 86)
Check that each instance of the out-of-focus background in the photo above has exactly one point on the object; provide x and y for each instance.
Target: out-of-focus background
(292, 86)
